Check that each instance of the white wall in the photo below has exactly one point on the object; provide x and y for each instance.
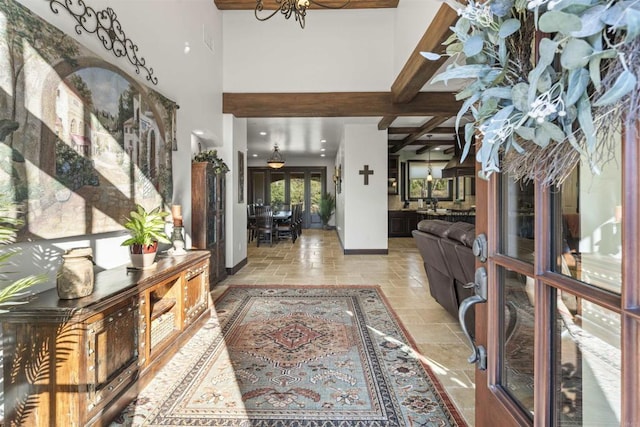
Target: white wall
(365, 206)
(346, 50)
(235, 140)
(412, 20)
(193, 80)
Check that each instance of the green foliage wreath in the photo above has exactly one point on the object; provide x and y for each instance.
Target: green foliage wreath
(549, 81)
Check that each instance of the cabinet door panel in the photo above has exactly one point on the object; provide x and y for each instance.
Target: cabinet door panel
(195, 292)
(112, 339)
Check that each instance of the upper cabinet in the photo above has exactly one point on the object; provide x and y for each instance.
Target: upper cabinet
(393, 178)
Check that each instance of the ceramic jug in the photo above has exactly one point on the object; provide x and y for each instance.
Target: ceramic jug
(75, 276)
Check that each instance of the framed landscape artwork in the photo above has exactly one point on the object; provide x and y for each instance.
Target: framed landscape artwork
(81, 142)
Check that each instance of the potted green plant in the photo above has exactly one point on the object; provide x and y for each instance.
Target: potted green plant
(211, 156)
(147, 230)
(9, 222)
(326, 208)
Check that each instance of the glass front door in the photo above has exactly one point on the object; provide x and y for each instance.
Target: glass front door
(560, 298)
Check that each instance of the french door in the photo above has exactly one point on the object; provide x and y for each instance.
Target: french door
(560, 325)
(287, 186)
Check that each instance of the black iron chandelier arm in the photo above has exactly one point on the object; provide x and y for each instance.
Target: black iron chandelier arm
(106, 26)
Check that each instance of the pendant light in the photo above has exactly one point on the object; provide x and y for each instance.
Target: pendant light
(275, 161)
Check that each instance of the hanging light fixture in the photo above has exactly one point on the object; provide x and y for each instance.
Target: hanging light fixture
(275, 161)
(429, 176)
(297, 8)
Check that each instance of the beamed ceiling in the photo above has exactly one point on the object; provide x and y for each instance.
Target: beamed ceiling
(434, 112)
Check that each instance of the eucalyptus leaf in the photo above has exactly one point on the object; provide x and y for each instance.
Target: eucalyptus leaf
(526, 132)
(594, 72)
(586, 122)
(624, 84)
(542, 137)
(614, 16)
(577, 84)
(545, 81)
(431, 56)
(567, 4)
(519, 97)
(508, 27)
(555, 21)
(497, 92)
(454, 48)
(465, 107)
(591, 22)
(547, 49)
(553, 131)
(503, 53)
(633, 24)
(576, 54)
(473, 45)
(462, 72)
(517, 146)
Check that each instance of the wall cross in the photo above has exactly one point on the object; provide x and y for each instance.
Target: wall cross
(366, 172)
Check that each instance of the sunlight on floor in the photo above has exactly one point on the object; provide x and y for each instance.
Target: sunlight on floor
(316, 258)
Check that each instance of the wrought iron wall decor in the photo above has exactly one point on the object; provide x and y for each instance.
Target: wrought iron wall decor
(105, 25)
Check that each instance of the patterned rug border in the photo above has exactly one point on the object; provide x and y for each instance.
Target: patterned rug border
(439, 388)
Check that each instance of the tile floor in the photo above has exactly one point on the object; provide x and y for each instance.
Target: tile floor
(317, 258)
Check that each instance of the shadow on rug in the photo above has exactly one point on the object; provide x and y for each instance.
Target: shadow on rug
(296, 356)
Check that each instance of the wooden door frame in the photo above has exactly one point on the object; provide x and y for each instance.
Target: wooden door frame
(494, 406)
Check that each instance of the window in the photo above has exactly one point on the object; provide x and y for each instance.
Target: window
(419, 185)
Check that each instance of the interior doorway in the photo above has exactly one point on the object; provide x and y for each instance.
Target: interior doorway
(280, 188)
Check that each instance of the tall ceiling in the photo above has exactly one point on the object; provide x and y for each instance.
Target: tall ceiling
(415, 120)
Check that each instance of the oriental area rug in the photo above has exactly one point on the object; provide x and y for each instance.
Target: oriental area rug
(291, 356)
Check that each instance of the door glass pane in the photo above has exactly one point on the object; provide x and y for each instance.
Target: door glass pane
(276, 190)
(588, 225)
(315, 186)
(517, 208)
(588, 377)
(516, 336)
(296, 191)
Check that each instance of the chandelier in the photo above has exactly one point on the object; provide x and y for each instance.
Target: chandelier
(275, 161)
(297, 8)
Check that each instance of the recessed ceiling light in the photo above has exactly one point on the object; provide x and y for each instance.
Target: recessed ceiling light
(437, 148)
(323, 149)
(322, 155)
(255, 155)
(198, 132)
(263, 133)
(323, 140)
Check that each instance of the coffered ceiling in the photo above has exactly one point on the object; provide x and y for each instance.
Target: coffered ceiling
(415, 120)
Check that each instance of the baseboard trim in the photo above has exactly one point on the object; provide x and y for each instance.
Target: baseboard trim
(366, 251)
(233, 270)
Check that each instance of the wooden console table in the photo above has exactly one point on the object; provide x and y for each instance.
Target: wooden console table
(75, 362)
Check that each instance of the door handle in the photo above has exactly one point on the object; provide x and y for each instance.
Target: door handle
(479, 354)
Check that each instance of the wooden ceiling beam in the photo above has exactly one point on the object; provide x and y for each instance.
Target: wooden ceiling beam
(423, 142)
(337, 104)
(408, 130)
(418, 70)
(271, 4)
(386, 122)
(424, 129)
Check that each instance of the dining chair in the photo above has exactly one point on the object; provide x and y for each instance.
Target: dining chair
(286, 228)
(252, 228)
(264, 224)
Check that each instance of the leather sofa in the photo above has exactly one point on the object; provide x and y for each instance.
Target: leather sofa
(445, 248)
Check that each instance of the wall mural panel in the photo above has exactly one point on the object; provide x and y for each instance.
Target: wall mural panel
(80, 141)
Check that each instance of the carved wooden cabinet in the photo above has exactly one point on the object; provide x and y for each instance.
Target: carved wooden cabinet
(75, 362)
(208, 216)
